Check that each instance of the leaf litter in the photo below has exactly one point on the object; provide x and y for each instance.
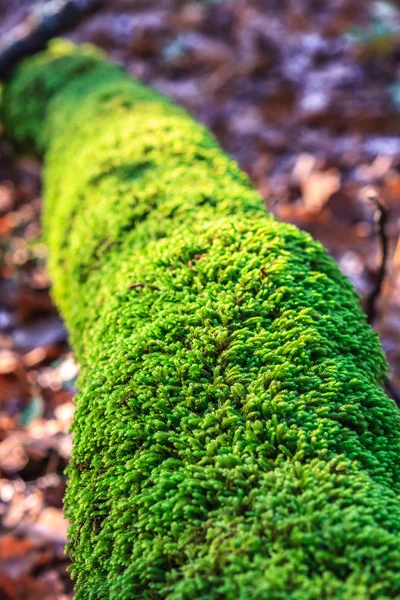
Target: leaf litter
(305, 95)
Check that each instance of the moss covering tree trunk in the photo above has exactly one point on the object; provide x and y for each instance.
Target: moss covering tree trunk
(231, 437)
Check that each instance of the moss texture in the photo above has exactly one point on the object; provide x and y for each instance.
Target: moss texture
(231, 438)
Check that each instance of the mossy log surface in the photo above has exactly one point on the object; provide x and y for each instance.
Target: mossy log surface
(231, 437)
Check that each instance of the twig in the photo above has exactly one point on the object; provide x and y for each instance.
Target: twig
(53, 18)
(381, 217)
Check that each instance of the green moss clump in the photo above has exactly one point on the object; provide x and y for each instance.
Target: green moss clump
(231, 438)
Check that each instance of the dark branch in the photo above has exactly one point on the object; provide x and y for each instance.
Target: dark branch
(54, 18)
(381, 217)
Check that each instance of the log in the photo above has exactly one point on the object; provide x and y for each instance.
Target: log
(231, 436)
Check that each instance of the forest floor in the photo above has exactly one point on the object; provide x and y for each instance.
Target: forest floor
(303, 94)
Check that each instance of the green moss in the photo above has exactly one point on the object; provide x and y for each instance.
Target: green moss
(231, 438)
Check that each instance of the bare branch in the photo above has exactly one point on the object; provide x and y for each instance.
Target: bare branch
(381, 217)
(49, 20)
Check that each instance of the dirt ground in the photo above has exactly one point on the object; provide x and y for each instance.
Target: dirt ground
(305, 94)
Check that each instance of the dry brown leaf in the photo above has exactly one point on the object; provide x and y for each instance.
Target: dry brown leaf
(9, 362)
(319, 187)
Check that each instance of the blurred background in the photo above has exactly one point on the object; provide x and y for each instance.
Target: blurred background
(305, 94)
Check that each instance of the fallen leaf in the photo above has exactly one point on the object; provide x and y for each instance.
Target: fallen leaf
(319, 187)
(9, 362)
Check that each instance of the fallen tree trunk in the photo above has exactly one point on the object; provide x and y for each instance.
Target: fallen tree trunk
(231, 437)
